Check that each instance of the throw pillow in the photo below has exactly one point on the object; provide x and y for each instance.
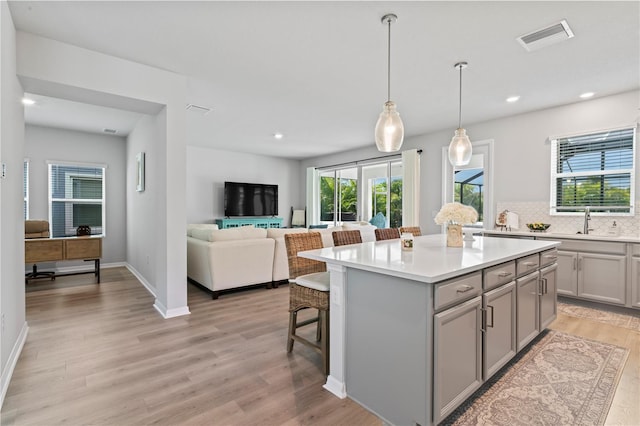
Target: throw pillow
(379, 221)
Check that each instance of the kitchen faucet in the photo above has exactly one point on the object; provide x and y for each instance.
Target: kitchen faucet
(587, 218)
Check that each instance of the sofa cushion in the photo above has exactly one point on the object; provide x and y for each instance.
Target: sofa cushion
(367, 232)
(192, 226)
(279, 232)
(242, 233)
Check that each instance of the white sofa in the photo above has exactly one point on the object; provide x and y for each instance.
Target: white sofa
(223, 259)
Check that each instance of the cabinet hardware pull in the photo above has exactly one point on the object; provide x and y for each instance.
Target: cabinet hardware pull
(540, 291)
(504, 274)
(529, 263)
(575, 263)
(579, 264)
(548, 256)
(546, 286)
(483, 320)
(487, 323)
(464, 289)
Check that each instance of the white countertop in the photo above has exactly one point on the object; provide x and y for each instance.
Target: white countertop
(546, 234)
(430, 260)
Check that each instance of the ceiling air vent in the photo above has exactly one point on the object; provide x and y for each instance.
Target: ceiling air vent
(199, 109)
(110, 131)
(546, 36)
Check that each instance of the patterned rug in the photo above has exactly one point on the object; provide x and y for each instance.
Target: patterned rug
(559, 380)
(605, 315)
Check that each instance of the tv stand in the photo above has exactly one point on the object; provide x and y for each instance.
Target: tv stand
(258, 222)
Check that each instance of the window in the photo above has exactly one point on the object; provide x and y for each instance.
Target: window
(359, 192)
(25, 188)
(593, 170)
(76, 197)
(467, 188)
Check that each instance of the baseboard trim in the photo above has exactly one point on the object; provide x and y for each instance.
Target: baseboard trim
(140, 278)
(13, 360)
(170, 313)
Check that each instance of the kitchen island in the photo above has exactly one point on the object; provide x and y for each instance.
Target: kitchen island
(414, 333)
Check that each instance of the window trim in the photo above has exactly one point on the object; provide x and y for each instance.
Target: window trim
(554, 175)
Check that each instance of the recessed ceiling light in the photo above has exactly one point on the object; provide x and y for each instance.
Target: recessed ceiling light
(513, 99)
(587, 95)
(278, 135)
(28, 101)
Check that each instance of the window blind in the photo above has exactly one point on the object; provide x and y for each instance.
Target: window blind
(594, 170)
(76, 198)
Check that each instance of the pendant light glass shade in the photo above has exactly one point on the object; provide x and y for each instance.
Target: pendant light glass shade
(460, 148)
(389, 129)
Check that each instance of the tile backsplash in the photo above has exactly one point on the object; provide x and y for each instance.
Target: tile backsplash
(538, 211)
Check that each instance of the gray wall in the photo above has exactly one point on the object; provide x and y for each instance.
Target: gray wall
(521, 149)
(12, 305)
(208, 169)
(45, 143)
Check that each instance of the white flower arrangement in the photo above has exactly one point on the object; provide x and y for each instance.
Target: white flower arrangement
(456, 213)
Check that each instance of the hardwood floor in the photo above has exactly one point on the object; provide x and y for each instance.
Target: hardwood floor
(101, 354)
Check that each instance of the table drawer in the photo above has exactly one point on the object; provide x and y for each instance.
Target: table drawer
(42, 250)
(498, 275)
(83, 248)
(457, 290)
(527, 264)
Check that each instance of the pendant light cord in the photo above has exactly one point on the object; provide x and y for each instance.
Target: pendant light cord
(460, 100)
(389, 61)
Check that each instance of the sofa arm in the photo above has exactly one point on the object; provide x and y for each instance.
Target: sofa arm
(198, 268)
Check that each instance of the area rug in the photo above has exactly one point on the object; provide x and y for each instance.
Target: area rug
(559, 379)
(603, 315)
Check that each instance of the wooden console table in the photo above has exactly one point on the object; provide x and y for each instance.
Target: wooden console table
(56, 249)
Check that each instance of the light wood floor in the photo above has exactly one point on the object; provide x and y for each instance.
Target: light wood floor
(101, 355)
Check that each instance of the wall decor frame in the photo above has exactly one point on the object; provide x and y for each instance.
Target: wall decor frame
(140, 172)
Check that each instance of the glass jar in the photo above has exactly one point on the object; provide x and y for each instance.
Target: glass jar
(406, 241)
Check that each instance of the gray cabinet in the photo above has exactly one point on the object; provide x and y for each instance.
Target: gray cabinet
(500, 340)
(602, 277)
(567, 273)
(635, 275)
(457, 362)
(528, 308)
(548, 296)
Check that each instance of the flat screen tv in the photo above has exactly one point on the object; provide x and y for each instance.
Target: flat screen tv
(250, 199)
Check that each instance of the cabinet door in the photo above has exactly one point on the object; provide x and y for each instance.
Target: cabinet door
(528, 299)
(567, 279)
(457, 363)
(548, 299)
(635, 281)
(500, 344)
(602, 277)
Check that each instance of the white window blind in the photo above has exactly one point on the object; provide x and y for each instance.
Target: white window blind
(76, 197)
(593, 170)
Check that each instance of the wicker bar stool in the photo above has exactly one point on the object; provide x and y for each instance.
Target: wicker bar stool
(343, 238)
(387, 234)
(308, 289)
(414, 230)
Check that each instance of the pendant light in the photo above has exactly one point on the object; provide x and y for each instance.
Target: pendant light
(460, 147)
(389, 128)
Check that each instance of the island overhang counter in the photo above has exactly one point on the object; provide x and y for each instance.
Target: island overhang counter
(404, 324)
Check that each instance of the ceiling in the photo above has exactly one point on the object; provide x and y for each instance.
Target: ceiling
(317, 71)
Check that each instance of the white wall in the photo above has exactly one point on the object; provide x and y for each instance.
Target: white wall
(14, 328)
(46, 143)
(53, 68)
(208, 169)
(521, 149)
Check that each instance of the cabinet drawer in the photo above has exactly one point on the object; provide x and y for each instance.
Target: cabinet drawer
(548, 257)
(527, 264)
(457, 290)
(499, 274)
(635, 249)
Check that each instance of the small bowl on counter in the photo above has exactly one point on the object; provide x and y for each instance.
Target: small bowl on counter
(538, 227)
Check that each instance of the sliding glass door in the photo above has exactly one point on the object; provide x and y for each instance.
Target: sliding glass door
(339, 195)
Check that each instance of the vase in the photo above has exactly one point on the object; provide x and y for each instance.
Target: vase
(454, 235)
